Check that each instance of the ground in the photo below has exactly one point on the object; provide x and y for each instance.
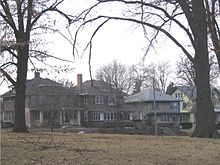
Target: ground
(71, 148)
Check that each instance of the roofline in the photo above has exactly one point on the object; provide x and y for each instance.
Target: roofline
(153, 101)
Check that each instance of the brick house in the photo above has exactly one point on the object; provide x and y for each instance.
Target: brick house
(46, 101)
(89, 103)
(100, 104)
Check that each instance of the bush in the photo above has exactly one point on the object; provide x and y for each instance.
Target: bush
(186, 125)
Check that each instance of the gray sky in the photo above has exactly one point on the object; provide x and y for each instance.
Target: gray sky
(116, 40)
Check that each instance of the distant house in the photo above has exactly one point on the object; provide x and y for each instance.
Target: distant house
(143, 106)
(92, 104)
(187, 95)
(46, 102)
(101, 104)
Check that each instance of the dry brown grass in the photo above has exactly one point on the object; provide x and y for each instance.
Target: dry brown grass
(69, 148)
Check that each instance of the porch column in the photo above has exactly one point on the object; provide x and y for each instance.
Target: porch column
(62, 116)
(78, 118)
(27, 117)
(41, 118)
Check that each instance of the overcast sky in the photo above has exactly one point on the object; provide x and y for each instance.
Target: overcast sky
(116, 40)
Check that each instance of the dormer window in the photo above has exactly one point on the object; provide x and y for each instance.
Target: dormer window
(179, 95)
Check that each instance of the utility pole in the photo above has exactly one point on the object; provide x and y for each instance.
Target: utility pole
(154, 108)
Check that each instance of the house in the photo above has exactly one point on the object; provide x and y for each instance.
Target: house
(216, 102)
(91, 103)
(47, 102)
(101, 103)
(187, 95)
(148, 104)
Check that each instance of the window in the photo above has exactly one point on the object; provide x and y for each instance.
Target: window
(174, 118)
(36, 115)
(99, 100)
(126, 116)
(172, 106)
(164, 118)
(95, 116)
(66, 116)
(109, 116)
(85, 100)
(75, 115)
(7, 116)
(184, 118)
(179, 95)
(184, 105)
(111, 100)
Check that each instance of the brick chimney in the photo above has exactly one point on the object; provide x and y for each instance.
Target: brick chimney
(79, 82)
(36, 74)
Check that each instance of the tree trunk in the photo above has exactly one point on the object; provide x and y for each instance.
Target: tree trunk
(20, 125)
(218, 58)
(205, 116)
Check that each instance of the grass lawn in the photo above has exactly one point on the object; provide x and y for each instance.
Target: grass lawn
(73, 149)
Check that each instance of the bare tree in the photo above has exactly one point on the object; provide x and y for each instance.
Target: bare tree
(52, 100)
(66, 83)
(139, 74)
(118, 77)
(160, 73)
(115, 74)
(213, 23)
(185, 71)
(190, 17)
(22, 19)
(144, 75)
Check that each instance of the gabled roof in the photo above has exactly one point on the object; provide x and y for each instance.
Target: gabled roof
(189, 91)
(148, 96)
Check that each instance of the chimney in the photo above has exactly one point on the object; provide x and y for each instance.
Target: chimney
(36, 74)
(79, 82)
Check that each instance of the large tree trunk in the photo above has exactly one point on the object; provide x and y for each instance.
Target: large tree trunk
(205, 116)
(20, 125)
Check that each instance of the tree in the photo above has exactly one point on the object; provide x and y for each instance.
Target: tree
(115, 74)
(52, 101)
(139, 74)
(160, 73)
(190, 17)
(143, 76)
(21, 19)
(213, 23)
(186, 73)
